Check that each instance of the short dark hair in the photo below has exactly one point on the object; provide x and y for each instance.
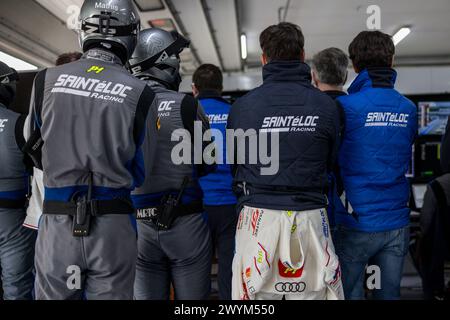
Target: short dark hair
(372, 49)
(68, 58)
(208, 77)
(283, 41)
(331, 66)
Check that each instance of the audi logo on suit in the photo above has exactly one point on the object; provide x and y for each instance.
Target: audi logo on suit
(290, 287)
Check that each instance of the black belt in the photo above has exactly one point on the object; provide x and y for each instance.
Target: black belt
(95, 207)
(152, 213)
(282, 189)
(12, 204)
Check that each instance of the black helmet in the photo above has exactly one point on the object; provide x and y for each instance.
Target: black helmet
(157, 56)
(8, 80)
(114, 24)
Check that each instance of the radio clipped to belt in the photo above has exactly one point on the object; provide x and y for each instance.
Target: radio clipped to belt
(170, 209)
(168, 214)
(85, 209)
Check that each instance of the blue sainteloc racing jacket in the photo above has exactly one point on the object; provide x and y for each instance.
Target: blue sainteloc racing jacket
(380, 129)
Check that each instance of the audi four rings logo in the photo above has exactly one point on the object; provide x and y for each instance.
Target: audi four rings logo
(290, 287)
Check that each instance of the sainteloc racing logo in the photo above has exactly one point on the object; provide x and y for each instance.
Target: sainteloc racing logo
(3, 124)
(91, 88)
(386, 119)
(290, 124)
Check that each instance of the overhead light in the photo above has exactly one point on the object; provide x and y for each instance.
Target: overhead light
(16, 63)
(401, 34)
(244, 52)
(149, 5)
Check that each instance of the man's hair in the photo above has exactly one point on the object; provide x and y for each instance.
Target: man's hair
(68, 58)
(372, 49)
(208, 77)
(331, 66)
(284, 41)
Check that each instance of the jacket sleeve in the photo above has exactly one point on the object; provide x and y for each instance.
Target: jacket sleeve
(231, 125)
(32, 131)
(192, 112)
(445, 149)
(335, 132)
(141, 125)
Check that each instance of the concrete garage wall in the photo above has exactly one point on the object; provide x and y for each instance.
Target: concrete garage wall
(411, 80)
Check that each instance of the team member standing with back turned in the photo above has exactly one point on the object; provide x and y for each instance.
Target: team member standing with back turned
(174, 244)
(381, 125)
(283, 242)
(16, 242)
(219, 199)
(90, 115)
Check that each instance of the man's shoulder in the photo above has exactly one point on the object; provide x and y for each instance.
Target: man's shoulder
(254, 94)
(5, 112)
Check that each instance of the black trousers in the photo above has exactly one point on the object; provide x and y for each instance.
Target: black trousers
(222, 221)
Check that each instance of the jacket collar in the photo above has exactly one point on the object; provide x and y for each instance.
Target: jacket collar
(287, 71)
(211, 94)
(334, 94)
(102, 55)
(155, 84)
(374, 78)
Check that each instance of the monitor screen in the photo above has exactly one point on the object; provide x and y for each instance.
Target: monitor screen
(427, 156)
(433, 117)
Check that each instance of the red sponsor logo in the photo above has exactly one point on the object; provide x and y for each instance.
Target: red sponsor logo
(244, 287)
(286, 272)
(241, 220)
(248, 272)
(337, 276)
(256, 220)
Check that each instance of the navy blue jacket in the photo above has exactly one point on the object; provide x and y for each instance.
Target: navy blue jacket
(335, 183)
(217, 185)
(375, 154)
(307, 121)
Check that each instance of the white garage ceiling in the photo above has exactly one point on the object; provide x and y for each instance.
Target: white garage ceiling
(36, 30)
(327, 23)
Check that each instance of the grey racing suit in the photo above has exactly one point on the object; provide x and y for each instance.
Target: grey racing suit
(90, 115)
(181, 255)
(16, 242)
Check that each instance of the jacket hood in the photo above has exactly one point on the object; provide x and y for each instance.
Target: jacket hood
(288, 71)
(374, 78)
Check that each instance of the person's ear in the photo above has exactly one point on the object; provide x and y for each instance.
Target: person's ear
(392, 63)
(195, 91)
(264, 59)
(314, 78)
(346, 78)
(302, 56)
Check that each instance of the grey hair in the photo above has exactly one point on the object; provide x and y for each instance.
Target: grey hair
(331, 66)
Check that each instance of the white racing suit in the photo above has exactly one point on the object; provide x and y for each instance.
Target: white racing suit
(36, 201)
(285, 254)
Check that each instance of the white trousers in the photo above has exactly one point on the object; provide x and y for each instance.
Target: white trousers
(286, 254)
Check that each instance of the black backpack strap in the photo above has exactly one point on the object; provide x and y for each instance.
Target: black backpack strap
(33, 146)
(20, 140)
